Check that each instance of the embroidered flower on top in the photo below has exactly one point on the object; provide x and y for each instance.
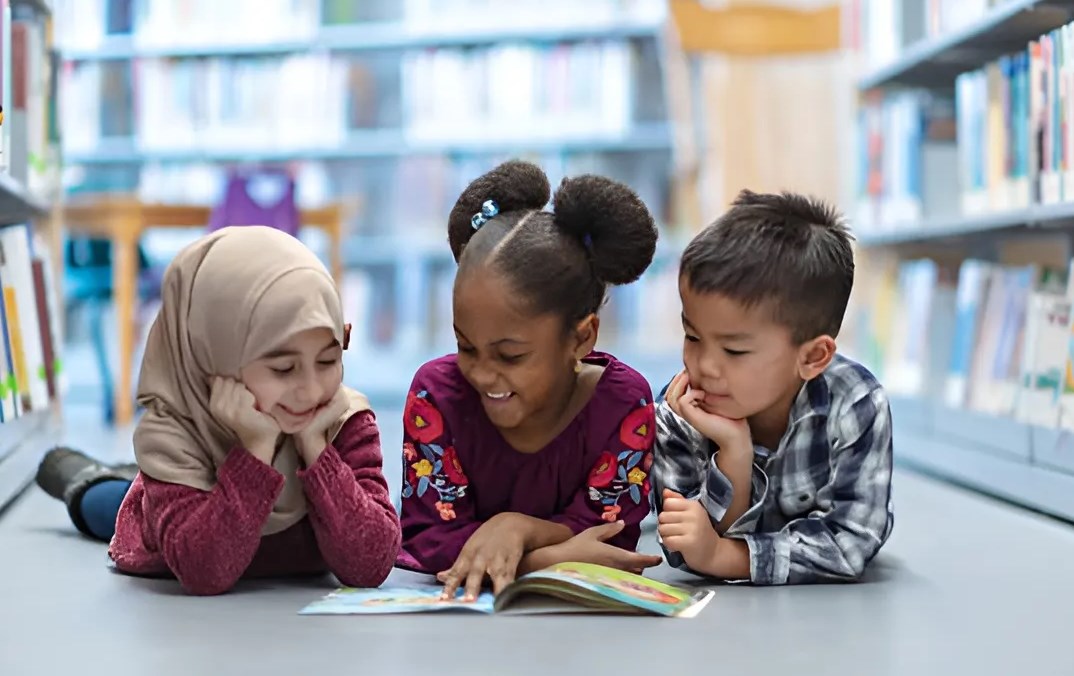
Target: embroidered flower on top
(429, 466)
(627, 473)
(421, 419)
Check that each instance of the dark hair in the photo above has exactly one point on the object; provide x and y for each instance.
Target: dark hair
(561, 261)
(787, 248)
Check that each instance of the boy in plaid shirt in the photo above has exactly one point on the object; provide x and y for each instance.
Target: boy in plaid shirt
(772, 461)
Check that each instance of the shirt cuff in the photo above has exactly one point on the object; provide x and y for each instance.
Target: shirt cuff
(770, 558)
(717, 493)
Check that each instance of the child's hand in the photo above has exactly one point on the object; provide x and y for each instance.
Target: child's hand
(728, 433)
(313, 439)
(684, 527)
(495, 549)
(234, 406)
(590, 546)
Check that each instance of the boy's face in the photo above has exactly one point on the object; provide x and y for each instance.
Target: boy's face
(746, 363)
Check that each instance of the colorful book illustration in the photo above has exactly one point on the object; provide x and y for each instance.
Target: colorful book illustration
(562, 588)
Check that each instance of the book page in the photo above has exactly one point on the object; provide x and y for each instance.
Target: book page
(389, 600)
(610, 587)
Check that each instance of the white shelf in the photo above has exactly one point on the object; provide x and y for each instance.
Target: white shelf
(23, 442)
(386, 143)
(376, 36)
(959, 228)
(17, 205)
(1008, 27)
(999, 456)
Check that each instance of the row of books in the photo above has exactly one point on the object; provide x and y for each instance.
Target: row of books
(500, 92)
(882, 30)
(31, 347)
(86, 24)
(946, 16)
(981, 335)
(30, 122)
(905, 149)
(1016, 140)
(1013, 140)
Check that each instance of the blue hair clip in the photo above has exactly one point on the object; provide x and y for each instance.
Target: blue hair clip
(488, 209)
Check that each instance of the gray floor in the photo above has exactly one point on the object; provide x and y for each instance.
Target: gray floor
(966, 586)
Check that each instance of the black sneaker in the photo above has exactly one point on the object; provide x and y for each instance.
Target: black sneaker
(62, 467)
(59, 467)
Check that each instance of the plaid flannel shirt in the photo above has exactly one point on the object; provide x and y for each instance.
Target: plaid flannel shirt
(820, 506)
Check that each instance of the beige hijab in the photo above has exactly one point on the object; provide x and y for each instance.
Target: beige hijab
(228, 298)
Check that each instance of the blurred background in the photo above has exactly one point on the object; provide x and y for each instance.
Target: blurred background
(940, 127)
(385, 110)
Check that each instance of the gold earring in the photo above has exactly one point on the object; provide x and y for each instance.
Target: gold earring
(578, 366)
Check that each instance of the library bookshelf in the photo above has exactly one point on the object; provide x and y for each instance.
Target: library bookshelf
(31, 332)
(965, 226)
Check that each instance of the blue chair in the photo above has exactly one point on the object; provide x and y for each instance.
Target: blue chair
(88, 282)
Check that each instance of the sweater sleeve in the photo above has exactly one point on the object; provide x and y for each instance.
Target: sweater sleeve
(352, 515)
(617, 487)
(209, 538)
(438, 514)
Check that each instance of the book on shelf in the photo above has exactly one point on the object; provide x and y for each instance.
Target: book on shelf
(1014, 120)
(904, 140)
(30, 349)
(883, 30)
(991, 336)
(562, 588)
(33, 138)
(566, 92)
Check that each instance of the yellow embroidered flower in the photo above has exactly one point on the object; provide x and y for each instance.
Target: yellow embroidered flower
(423, 467)
(636, 476)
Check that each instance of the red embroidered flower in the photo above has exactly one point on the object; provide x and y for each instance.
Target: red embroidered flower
(453, 469)
(421, 419)
(637, 429)
(409, 452)
(646, 488)
(647, 462)
(604, 471)
(611, 513)
(446, 509)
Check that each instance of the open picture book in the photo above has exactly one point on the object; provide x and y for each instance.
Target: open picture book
(562, 588)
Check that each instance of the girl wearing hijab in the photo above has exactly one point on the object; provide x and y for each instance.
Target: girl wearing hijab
(253, 459)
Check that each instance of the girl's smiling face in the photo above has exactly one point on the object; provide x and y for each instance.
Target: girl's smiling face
(521, 365)
(293, 381)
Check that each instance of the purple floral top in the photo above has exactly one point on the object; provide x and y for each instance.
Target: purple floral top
(458, 471)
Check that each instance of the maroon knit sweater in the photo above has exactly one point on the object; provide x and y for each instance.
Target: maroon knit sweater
(209, 540)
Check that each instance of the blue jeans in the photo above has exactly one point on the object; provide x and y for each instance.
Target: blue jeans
(100, 506)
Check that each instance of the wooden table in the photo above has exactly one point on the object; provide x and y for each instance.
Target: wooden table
(123, 220)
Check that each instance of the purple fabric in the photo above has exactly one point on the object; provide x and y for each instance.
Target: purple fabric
(238, 207)
(458, 471)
